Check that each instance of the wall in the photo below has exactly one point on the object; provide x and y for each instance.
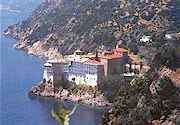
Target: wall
(58, 73)
(48, 74)
(115, 66)
(84, 73)
(105, 62)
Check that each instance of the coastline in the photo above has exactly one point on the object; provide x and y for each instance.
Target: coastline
(39, 50)
(46, 90)
(18, 107)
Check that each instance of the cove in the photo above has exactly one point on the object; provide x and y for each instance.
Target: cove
(19, 72)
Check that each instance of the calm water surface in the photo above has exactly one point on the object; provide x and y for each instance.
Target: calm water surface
(19, 72)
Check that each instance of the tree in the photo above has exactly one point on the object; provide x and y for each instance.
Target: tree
(134, 104)
(165, 57)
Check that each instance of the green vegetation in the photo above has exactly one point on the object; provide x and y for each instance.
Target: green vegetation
(112, 83)
(166, 56)
(141, 56)
(88, 24)
(81, 18)
(134, 103)
(84, 89)
(62, 114)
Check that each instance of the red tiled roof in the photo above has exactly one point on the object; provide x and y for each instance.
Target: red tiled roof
(120, 50)
(117, 53)
(93, 62)
(112, 56)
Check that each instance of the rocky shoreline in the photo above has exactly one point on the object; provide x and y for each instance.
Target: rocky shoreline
(38, 48)
(42, 51)
(47, 90)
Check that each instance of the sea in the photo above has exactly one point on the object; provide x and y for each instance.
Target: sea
(19, 72)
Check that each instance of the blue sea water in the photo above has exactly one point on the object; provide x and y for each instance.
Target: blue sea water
(19, 72)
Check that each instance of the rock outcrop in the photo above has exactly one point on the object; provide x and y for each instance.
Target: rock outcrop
(83, 97)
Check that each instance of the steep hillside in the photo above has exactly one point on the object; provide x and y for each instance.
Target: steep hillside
(65, 25)
(151, 99)
(148, 28)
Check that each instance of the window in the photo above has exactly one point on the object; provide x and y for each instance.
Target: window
(73, 79)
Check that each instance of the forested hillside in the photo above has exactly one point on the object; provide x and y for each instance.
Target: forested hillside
(68, 25)
(148, 28)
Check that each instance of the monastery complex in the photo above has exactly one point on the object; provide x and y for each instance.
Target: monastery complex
(92, 69)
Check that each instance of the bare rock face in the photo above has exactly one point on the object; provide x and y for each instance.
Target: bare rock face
(41, 50)
(38, 48)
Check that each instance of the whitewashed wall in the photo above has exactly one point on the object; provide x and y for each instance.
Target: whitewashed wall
(47, 76)
(88, 79)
